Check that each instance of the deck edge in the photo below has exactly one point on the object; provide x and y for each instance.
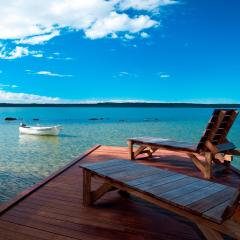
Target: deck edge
(25, 193)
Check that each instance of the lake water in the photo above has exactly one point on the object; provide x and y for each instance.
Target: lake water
(25, 159)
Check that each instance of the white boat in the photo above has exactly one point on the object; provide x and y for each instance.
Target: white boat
(39, 130)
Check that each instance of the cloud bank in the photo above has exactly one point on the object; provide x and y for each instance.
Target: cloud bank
(27, 22)
(11, 97)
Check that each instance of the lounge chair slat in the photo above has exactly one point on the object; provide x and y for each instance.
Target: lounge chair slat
(182, 191)
(128, 175)
(200, 194)
(146, 179)
(155, 182)
(148, 186)
(215, 123)
(213, 200)
(113, 170)
(173, 185)
(216, 212)
(165, 143)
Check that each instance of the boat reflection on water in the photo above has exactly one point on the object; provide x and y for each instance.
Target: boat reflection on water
(31, 139)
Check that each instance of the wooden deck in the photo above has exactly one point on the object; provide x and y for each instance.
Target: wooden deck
(53, 208)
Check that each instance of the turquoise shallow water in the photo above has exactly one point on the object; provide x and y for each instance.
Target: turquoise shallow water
(25, 159)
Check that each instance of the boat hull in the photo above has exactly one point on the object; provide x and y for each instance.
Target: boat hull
(41, 131)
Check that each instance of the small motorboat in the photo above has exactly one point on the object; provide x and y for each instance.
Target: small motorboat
(39, 130)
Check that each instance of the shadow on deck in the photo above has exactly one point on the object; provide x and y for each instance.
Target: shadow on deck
(53, 209)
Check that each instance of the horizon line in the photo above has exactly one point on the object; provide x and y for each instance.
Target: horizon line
(118, 103)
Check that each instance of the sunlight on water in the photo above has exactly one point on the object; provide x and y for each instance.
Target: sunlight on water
(26, 159)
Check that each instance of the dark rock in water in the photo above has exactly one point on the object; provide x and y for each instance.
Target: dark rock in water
(10, 119)
(156, 119)
(121, 120)
(35, 119)
(93, 119)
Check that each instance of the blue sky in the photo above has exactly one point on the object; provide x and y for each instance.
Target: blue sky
(120, 50)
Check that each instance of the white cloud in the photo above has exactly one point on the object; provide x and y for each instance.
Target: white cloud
(27, 22)
(55, 57)
(10, 97)
(128, 36)
(40, 39)
(36, 54)
(164, 76)
(35, 22)
(47, 73)
(7, 86)
(15, 53)
(68, 58)
(144, 35)
(115, 22)
(123, 74)
(18, 52)
(148, 5)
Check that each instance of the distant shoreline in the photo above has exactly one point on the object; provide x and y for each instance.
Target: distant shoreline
(130, 105)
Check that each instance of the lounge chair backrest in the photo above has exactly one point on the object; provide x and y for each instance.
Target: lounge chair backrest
(217, 128)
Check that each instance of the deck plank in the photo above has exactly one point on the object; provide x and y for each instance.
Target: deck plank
(53, 210)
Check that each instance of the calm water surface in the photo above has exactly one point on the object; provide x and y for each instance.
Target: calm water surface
(25, 159)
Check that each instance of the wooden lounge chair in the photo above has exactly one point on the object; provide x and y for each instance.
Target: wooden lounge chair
(213, 207)
(213, 144)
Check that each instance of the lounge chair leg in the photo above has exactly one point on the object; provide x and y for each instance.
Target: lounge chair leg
(204, 167)
(150, 151)
(104, 188)
(130, 149)
(200, 166)
(209, 233)
(208, 165)
(87, 197)
(140, 150)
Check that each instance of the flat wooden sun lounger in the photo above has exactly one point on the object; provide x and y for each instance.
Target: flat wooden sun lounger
(213, 144)
(213, 207)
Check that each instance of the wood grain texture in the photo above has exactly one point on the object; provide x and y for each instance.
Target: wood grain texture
(54, 209)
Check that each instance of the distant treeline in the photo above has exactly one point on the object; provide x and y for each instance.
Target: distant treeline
(137, 104)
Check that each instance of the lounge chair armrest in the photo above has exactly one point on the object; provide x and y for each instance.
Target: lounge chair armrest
(225, 147)
(235, 152)
(220, 148)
